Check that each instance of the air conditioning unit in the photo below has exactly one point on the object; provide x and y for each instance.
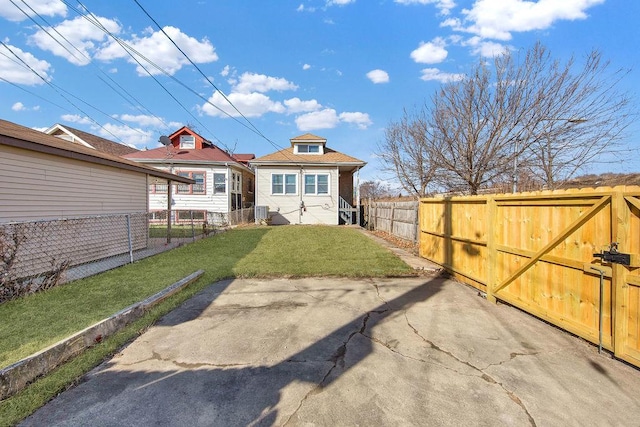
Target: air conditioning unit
(262, 214)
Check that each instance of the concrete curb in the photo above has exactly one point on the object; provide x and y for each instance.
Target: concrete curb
(15, 377)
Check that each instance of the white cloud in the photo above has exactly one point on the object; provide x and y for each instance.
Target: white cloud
(378, 76)
(148, 121)
(41, 7)
(225, 71)
(339, 2)
(133, 137)
(74, 118)
(296, 105)
(75, 39)
(306, 67)
(19, 106)
(12, 69)
(429, 74)
(324, 119)
(432, 52)
(250, 104)
(329, 119)
(250, 82)
(361, 120)
(444, 6)
(496, 19)
(158, 48)
(485, 49)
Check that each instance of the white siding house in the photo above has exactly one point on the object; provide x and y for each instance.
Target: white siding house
(223, 182)
(307, 183)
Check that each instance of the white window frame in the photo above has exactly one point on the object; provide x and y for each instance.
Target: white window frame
(284, 184)
(308, 146)
(315, 184)
(187, 142)
(215, 189)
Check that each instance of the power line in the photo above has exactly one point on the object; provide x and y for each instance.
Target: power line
(60, 90)
(139, 106)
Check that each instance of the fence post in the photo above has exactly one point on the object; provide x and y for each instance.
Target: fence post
(393, 212)
(416, 222)
(128, 216)
(491, 248)
(619, 306)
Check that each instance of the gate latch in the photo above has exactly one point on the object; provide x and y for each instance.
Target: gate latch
(613, 256)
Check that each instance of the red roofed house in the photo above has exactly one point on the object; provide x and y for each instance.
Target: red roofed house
(307, 183)
(224, 182)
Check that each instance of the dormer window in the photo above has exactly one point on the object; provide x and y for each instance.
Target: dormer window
(308, 149)
(187, 142)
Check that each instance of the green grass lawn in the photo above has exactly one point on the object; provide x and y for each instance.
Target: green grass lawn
(30, 324)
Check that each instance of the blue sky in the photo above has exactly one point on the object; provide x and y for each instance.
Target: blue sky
(341, 69)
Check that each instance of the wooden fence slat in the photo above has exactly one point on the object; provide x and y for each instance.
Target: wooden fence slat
(557, 240)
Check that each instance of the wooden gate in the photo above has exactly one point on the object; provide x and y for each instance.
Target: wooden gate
(536, 252)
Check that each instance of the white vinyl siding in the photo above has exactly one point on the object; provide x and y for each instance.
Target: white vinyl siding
(38, 186)
(285, 209)
(210, 202)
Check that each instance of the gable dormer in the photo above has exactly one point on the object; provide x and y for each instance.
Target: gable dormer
(308, 144)
(186, 139)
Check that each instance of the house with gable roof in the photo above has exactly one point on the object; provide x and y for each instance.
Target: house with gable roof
(307, 183)
(89, 140)
(223, 181)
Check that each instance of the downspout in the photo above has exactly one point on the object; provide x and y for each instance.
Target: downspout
(301, 206)
(169, 211)
(358, 196)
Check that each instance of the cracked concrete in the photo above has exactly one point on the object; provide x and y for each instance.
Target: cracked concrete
(416, 351)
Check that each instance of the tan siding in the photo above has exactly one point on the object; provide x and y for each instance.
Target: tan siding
(40, 186)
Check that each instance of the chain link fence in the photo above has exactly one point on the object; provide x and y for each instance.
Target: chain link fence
(38, 255)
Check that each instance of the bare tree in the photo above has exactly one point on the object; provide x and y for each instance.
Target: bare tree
(374, 190)
(406, 153)
(583, 123)
(517, 115)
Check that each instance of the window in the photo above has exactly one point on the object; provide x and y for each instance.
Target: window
(197, 188)
(219, 183)
(316, 184)
(186, 216)
(308, 148)
(158, 188)
(283, 184)
(187, 142)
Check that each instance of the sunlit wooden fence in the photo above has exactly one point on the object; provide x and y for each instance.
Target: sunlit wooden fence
(536, 252)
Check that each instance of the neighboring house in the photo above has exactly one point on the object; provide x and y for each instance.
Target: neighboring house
(223, 182)
(44, 177)
(90, 141)
(307, 183)
(62, 202)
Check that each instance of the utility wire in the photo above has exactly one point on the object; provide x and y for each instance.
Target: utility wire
(202, 73)
(253, 127)
(61, 91)
(89, 16)
(139, 106)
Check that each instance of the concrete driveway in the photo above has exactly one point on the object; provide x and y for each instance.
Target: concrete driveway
(333, 352)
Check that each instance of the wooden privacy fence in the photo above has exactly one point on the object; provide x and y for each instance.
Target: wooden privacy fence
(397, 218)
(536, 252)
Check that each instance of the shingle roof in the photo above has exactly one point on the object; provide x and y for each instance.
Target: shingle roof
(209, 153)
(287, 156)
(100, 144)
(14, 135)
